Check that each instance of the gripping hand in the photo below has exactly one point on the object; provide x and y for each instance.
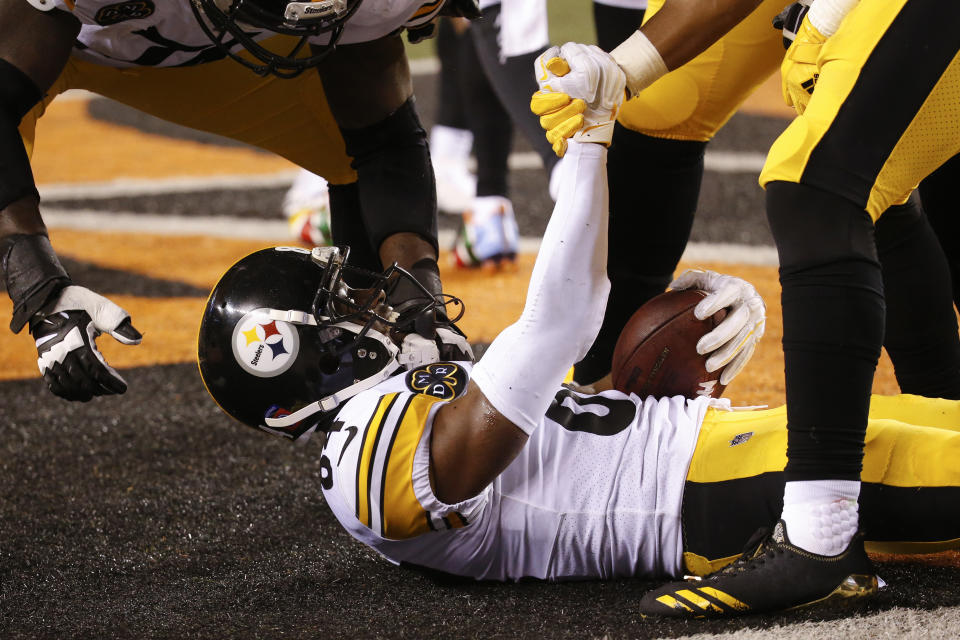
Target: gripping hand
(733, 341)
(799, 70)
(581, 90)
(66, 336)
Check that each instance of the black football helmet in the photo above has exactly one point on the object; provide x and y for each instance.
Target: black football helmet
(284, 341)
(229, 22)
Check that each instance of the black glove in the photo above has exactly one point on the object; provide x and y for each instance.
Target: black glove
(788, 21)
(65, 336)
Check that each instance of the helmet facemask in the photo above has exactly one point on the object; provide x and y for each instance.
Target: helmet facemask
(284, 341)
(231, 22)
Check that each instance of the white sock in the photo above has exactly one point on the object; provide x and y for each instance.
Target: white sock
(822, 516)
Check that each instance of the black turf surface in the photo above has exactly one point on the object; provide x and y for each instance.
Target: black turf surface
(153, 515)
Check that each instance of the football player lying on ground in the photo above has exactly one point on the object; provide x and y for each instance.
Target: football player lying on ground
(497, 471)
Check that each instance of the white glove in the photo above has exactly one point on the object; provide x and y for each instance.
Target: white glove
(733, 341)
(66, 336)
(581, 91)
(449, 345)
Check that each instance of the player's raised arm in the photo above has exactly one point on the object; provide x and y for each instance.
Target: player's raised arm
(64, 320)
(476, 436)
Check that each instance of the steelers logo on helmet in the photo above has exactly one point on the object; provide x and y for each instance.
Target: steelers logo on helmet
(444, 380)
(264, 347)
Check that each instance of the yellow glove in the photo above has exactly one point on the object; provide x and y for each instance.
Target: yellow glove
(581, 90)
(800, 69)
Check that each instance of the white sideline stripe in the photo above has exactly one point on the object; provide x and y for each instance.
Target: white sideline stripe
(276, 231)
(894, 624)
(152, 186)
(718, 161)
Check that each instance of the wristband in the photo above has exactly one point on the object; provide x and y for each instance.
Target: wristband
(826, 15)
(33, 275)
(640, 61)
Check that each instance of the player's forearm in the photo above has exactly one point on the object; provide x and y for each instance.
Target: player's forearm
(677, 33)
(527, 362)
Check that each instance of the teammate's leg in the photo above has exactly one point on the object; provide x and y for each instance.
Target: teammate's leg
(916, 283)
(489, 233)
(735, 482)
(938, 191)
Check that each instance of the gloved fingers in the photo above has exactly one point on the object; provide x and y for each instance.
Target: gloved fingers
(557, 66)
(722, 356)
(738, 363)
(106, 379)
(691, 279)
(722, 297)
(126, 333)
(566, 128)
(555, 118)
(106, 315)
(82, 375)
(543, 102)
(732, 324)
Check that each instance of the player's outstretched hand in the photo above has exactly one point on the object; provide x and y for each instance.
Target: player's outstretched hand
(581, 90)
(66, 336)
(732, 342)
(799, 70)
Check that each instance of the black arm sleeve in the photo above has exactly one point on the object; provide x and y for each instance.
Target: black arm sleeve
(18, 94)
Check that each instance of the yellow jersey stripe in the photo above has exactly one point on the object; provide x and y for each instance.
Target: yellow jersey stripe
(368, 449)
(403, 515)
(386, 463)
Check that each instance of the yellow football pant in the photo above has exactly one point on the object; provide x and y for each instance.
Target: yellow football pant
(695, 100)
(290, 117)
(875, 127)
(911, 479)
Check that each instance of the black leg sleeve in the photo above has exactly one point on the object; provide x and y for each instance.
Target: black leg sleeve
(513, 83)
(654, 185)
(921, 330)
(450, 110)
(488, 121)
(833, 323)
(398, 193)
(347, 228)
(939, 194)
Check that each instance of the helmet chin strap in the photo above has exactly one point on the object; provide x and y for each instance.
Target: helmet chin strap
(336, 399)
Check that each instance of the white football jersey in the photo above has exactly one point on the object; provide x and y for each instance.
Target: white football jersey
(595, 493)
(165, 33)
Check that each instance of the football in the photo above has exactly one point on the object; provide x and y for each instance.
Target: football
(656, 354)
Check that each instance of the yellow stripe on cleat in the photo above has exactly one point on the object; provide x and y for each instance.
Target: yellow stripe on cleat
(673, 603)
(726, 599)
(698, 600)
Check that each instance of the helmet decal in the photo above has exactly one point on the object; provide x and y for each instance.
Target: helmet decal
(264, 347)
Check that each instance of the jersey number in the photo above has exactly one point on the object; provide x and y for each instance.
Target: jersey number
(598, 415)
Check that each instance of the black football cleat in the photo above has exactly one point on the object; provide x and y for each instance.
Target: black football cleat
(771, 575)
